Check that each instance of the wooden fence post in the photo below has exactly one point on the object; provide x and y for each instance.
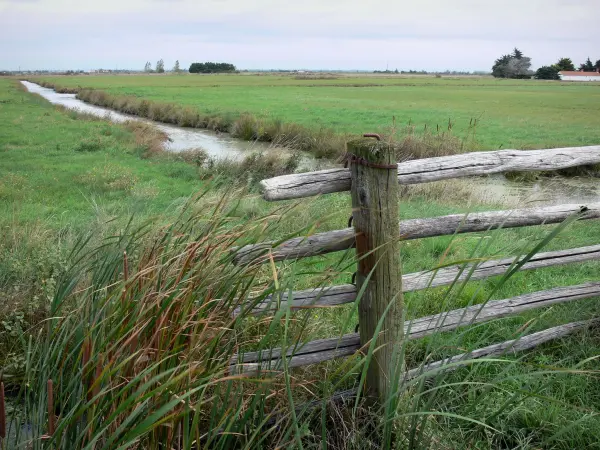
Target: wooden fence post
(375, 208)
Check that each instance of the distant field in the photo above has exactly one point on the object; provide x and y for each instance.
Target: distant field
(510, 113)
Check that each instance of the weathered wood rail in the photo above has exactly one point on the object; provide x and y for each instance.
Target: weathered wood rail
(435, 169)
(346, 293)
(325, 349)
(337, 240)
(372, 179)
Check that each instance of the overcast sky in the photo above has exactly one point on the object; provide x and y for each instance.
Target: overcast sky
(310, 34)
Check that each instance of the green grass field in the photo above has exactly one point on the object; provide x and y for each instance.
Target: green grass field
(64, 175)
(510, 113)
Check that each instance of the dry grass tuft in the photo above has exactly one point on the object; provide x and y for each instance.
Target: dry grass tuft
(150, 139)
(195, 156)
(252, 169)
(248, 128)
(109, 177)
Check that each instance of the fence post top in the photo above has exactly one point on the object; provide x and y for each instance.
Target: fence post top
(372, 150)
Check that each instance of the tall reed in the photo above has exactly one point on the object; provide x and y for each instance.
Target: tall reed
(136, 350)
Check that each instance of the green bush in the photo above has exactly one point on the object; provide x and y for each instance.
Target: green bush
(547, 73)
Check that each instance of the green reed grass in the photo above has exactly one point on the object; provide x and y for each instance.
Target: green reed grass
(139, 337)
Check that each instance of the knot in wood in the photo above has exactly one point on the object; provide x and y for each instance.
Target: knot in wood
(363, 197)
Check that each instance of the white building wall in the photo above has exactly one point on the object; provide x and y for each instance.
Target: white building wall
(580, 78)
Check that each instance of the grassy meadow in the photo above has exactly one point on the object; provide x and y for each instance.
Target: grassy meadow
(65, 176)
(521, 114)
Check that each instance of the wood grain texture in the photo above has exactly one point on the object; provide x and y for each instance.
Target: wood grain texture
(338, 295)
(508, 347)
(490, 268)
(496, 309)
(325, 349)
(337, 240)
(300, 185)
(434, 169)
(375, 206)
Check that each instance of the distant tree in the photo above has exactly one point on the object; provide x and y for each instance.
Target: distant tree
(547, 73)
(499, 69)
(597, 65)
(515, 65)
(519, 68)
(176, 67)
(148, 67)
(160, 66)
(565, 64)
(587, 66)
(211, 67)
(518, 54)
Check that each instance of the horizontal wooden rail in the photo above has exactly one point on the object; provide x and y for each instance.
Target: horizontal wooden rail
(497, 309)
(326, 349)
(462, 360)
(333, 241)
(433, 169)
(514, 345)
(346, 293)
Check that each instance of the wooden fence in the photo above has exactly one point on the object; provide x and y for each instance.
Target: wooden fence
(373, 177)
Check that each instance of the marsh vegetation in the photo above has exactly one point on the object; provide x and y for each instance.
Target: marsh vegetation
(117, 284)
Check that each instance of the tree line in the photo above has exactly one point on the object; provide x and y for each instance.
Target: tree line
(211, 67)
(517, 65)
(206, 67)
(160, 67)
(565, 64)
